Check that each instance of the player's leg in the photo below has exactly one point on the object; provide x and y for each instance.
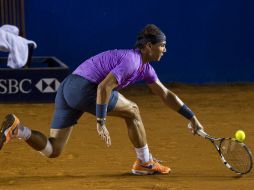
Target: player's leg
(50, 147)
(58, 139)
(53, 146)
(64, 118)
(72, 99)
(129, 110)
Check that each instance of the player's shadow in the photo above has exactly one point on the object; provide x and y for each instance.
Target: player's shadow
(178, 176)
(174, 177)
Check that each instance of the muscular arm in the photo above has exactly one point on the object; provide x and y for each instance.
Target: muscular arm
(172, 101)
(104, 89)
(168, 97)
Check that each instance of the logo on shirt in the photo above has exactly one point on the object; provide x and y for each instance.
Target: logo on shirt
(48, 85)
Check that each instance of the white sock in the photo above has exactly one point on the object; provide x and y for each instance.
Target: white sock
(23, 132)
(48, 150)
(143, 154)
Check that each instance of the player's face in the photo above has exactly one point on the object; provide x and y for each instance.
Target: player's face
(157, 51)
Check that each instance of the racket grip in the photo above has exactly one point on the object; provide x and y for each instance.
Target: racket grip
(200, 132)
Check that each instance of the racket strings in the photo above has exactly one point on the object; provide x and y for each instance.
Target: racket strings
(236, 155)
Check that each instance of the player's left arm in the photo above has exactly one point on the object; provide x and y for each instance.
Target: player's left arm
(168, 97)
(175, 103)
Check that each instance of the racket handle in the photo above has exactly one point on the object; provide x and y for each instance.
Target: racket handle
(200, 132)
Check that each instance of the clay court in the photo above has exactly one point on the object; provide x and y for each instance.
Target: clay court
(87, 164)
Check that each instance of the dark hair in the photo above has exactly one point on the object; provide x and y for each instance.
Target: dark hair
(150, 33)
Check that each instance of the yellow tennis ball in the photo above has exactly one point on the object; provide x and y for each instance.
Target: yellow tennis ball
(240, 135)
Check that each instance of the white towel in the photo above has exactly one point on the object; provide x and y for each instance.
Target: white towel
(10, 28)
(15, 45)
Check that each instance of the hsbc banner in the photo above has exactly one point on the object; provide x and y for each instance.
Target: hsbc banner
(31, 84)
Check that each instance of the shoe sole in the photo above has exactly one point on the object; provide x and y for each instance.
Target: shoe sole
(10, 123)
(140, 172)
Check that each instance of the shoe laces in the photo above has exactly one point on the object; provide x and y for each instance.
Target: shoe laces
(159, 167)
(157, 160)
(157, 164)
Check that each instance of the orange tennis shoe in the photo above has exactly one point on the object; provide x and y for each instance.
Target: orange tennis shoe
(149, 168)
(8, 129)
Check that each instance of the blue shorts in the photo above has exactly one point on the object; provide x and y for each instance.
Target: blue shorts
(75, 96)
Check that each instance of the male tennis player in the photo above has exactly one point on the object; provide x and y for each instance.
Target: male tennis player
(93, 87)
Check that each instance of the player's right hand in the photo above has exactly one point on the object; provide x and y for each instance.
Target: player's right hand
(104, 134)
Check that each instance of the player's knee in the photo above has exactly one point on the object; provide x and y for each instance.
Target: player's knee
(134, 110)
(56, 153)
(56, 148)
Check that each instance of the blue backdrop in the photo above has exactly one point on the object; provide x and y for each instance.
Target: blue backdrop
(208, 41)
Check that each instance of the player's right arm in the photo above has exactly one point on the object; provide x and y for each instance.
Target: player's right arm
(104, 90)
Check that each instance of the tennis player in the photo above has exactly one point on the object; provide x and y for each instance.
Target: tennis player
(93, 87)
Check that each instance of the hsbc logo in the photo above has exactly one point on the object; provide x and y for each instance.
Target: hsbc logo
(13, 86)
(25, 86)
(48, 85)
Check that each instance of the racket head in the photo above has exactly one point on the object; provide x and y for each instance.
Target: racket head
(235, 155)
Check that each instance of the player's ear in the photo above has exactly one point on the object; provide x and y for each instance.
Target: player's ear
(148, 45)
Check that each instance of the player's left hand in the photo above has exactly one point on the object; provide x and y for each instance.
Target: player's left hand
(104, 134)
(195, 125)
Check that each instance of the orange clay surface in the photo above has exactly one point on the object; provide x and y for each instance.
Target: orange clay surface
(87, 163)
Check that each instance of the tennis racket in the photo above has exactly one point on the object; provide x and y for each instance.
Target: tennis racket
(234, 154)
